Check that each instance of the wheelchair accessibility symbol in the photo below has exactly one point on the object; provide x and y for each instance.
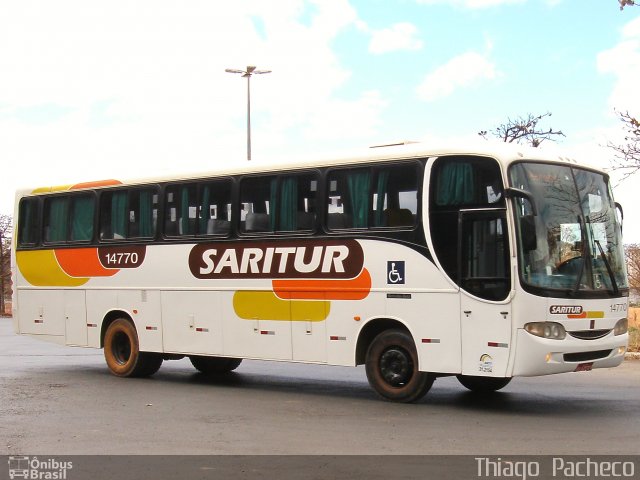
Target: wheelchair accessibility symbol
(395, 273)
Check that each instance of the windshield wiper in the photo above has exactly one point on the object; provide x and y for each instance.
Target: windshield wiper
(614, 284)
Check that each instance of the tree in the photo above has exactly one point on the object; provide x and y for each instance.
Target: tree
(632, 252)
(5, 260)
(627, 156)
(523, 130)
(627, 3)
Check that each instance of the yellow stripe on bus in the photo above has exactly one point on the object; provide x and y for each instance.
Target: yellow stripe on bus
(41, 268)
(265, 305)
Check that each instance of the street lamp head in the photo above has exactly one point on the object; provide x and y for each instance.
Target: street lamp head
(251, 69)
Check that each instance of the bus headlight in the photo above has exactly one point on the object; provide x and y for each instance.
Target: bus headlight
(622, 326)
(552, 330)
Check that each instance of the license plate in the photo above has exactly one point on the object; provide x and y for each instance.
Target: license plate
(584, 367)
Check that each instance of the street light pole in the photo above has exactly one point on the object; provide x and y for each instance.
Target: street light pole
(251, 70)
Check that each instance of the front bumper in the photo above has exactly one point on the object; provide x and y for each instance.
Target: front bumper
(540, 356)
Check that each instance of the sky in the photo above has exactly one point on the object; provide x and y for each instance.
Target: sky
(123, 89)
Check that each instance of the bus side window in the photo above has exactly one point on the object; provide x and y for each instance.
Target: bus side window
(83, 209)
(395, 198)
(458, 183)
(28, 222)
(180, 209)
(214, 208)
(349, 198)
(129, 214)
(56, 219)
(284, 203)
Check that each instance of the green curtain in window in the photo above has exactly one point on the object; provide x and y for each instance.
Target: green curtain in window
(455, 184)
(381, 190)
(273, 203)
(119, 215)
(58, 219)
(184, 210)
(82, 221)
(289, 204)
(146, 213)
(358, 184)
(205, 205)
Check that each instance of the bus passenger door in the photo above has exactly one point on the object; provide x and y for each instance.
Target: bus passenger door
(485, 284)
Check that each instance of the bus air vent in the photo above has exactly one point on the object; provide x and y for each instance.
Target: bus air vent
(586, 356)
(589, 334)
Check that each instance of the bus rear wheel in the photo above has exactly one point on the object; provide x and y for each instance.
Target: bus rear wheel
(392, 368)
(122, 353)
(214, 365)
(483, 384)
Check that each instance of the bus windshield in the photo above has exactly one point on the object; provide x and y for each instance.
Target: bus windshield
(569, 238)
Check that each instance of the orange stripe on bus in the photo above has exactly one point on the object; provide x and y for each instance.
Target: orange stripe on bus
(82, 262)
(354, 289)
(95, 184)
(590, 314)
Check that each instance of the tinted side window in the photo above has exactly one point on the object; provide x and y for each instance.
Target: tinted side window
(56, 219)
(285, 203)
(28, 222)
(69, 218)
(373, 197)
(458, 183)
(83, 209)
(128, 214)
(198, 208)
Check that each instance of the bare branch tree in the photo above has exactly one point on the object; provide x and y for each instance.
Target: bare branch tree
(627, 156)
(5, 260)
(523, 130)
(632, 252)
(627, 3)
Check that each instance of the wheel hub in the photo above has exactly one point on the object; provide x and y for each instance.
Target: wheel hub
(396, 366)
(121, 348)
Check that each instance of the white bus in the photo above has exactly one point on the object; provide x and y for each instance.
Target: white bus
(416, 262)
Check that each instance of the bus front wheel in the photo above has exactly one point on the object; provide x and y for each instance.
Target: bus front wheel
(122, 353)
(483, 384)
(214, 365)
(392, 368)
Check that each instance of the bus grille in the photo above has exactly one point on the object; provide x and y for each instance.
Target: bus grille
(589, 334)
(586, 356)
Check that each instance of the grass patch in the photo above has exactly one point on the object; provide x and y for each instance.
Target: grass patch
(634, 339)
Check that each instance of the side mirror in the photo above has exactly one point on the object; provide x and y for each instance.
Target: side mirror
(528, 233)
(619, 209)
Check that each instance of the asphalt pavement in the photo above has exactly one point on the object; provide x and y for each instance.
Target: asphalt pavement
(63, 401)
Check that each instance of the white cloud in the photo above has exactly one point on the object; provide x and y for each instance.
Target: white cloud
(623, 61)
(400, 36)
(459, 72)
(92, 90)
(473, 4)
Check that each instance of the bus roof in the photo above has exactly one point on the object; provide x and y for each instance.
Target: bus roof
(504, 153)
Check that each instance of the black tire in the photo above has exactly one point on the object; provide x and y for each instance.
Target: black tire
(392, 368)
(483, 384)
(122, 353)
(214, 365)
